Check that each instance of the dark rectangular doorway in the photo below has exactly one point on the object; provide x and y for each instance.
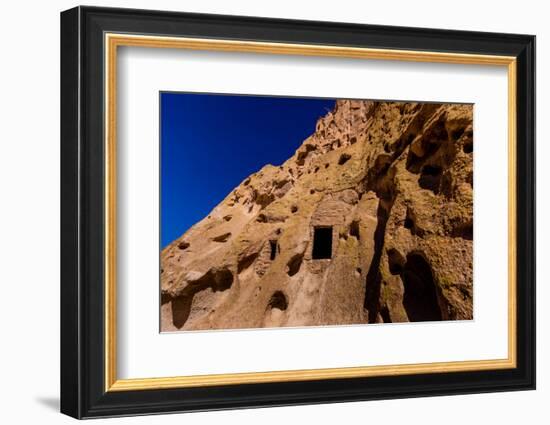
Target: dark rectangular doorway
(322, 243)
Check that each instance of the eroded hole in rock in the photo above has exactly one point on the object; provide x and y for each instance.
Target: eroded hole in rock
(345, 157)
(181, 308)
(353, 140)
(294, 264)
(354, 229)
(301, 159)
(262, 218)
(217, 279)
(184, 245)
(293, 209)
(322, 243)
(222, 238)
(420, 298)
(430, 178)
(280, 184)
(327, 165)
(429, 145)
(396, 261)
(468, 146)
(278, 300)
(246, 262)
(264, 199)
(316, 169)
(273, 249)
(456, 134)
(228, 217)
(302, 155)
(312, 191)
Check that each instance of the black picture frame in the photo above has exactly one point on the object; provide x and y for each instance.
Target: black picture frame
(83, 392)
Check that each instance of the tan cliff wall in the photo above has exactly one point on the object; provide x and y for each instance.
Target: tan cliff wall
(390, 183)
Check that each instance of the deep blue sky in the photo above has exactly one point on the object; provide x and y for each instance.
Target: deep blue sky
(210, 143)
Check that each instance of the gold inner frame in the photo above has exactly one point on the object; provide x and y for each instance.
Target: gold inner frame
(113, 41)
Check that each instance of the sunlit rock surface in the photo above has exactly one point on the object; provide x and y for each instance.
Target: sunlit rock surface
(370, 221)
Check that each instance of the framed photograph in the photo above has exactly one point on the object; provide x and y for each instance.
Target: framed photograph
(261, 212)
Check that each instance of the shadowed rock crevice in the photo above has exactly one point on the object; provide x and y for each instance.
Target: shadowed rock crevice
(374, 278)
(385, 314)
(468, 147)
(420, 298)
(222, 238)
(245, 262)
(396, 261)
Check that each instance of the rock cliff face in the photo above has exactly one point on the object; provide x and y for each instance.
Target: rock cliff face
(370, 221)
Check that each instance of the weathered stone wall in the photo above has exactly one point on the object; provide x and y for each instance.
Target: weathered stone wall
(395, 183)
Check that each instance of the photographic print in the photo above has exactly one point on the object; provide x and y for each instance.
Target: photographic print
(258, 184)
(292, 212)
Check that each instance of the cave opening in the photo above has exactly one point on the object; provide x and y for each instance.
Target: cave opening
(420, 298)
(183, 245)
(294, 264)
(354, 229)
(322, 243)
(278, 301)
(430, 178)
(274, 248)
(345, 157)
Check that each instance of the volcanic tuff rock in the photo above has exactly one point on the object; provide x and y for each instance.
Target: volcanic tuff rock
(369, 221)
